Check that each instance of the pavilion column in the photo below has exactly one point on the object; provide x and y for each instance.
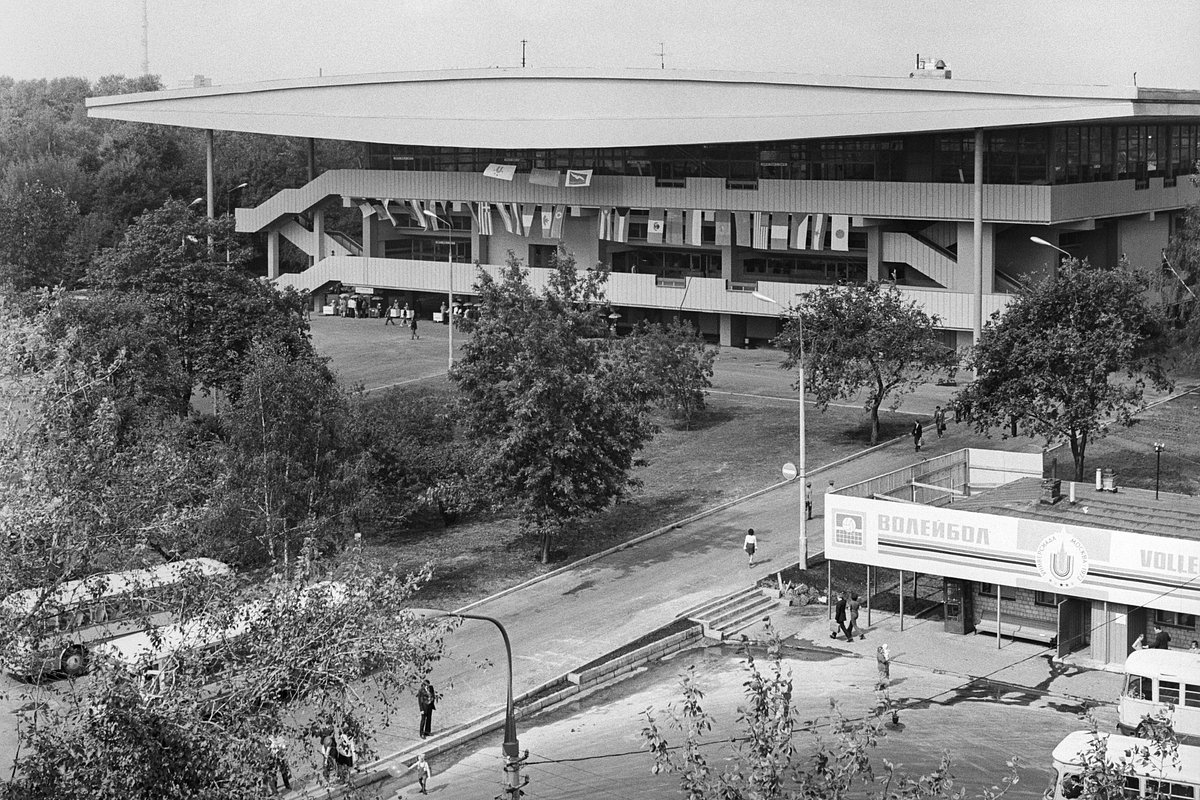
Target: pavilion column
(875, 254)
(273, 253)
(318, 227)
(977, 235)
(368, 236)
(209, 174)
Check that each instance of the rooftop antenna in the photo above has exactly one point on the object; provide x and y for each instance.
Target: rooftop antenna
(145, 39)
(1135, 78)
(523, 41)
(662, 55)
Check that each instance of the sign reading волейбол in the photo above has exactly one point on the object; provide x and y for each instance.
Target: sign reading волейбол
(1119, 566)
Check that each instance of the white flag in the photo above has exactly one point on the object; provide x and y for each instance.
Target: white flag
(840, 229)
(578, 177)
(504, 172)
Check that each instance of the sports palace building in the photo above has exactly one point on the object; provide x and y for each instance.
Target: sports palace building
(699, 189)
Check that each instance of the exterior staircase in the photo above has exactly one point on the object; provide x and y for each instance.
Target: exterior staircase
(725, 616)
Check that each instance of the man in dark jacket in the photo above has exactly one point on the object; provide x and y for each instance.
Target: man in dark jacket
(1162, 639)
(839, 616)
(426, 701)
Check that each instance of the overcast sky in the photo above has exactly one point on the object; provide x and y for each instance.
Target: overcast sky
(231, 41)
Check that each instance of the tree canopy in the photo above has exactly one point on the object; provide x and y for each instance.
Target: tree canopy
(1071, 353)
(556, 412)
(867, 338)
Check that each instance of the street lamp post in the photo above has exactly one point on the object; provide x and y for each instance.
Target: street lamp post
(802, 468)
(1044, 243)
(511, 747)
(1158, 448)
(450, 290)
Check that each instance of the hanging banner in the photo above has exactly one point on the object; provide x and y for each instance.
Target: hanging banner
(799, 236)
(840, 229)
(578, 177)
(655, 226)
(543, 177)
(818, 231)
(724, 229)
(504, 172)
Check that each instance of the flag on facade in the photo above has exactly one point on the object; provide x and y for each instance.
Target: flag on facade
(578, 177)
(485, 219)
(367, 209)
(547, 221)
(710, 216)
(528, 212)
(458, 206)
(620, 225)
(724, 232)
(674, 227)
(818, 232)
(474, 215)
(799, 236)
(504, 172)
(696, 225)
(779, 231)
(761, 230)
(418, 212)
(556, 226)
(839, 225)
(514, 211)
(604, 224)
(505, 217)
(655, 226)
(543, 177)
(576, 211)
(742, 227)
(384, 209)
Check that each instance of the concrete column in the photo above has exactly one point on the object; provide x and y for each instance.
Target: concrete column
(368, 236)
(727, 262)
(318, 226)
(733, 330)
(977, 239)
(273, 253)
(970, 248)
(875, 253)
(209, 174)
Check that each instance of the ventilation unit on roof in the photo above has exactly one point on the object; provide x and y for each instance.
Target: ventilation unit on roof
(931, 68)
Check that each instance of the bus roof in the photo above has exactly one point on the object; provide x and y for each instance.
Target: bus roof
(1070, 749)
(112, 584)
(1169, 663)
(205, 630)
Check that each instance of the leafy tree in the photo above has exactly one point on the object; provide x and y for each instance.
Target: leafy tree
(415, 462)
(208, 308)
(1071, 352)
(767, 763)
(36, 226)
(678, 364)
(867, 338)
(556, 415)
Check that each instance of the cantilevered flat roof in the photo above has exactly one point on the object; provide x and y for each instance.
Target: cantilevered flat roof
(527, 108)
(1133, 510)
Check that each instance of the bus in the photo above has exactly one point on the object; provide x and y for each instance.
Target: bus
(1158, 681)
(154, 658)
(1159, 778)
(64, 623)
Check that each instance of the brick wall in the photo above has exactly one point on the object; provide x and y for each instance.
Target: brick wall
(1022, 607)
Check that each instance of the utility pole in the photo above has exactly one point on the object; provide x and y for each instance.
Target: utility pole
(662, 55)
(523, 41)
(145, 39)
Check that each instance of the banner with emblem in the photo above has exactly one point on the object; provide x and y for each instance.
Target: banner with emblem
(655, 226)
(577, 178)
(723, 231)
(839, 232)
(556, 227)
(503, 172)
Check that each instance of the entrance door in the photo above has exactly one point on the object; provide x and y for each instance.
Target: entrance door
(1074, 622)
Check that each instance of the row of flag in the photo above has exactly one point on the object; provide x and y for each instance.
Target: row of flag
(760, 230)
(575, 178)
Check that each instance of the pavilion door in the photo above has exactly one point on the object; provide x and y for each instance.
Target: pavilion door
(1074, 622)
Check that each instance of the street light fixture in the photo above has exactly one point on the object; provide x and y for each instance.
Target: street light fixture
(1158, 449)
(450, 291)
(511, 747)
(1044, 243)
(801, 471)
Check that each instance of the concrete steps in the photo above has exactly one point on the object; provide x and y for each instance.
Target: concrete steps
(725, 616)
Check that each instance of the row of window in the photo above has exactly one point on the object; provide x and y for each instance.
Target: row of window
(1061, 154)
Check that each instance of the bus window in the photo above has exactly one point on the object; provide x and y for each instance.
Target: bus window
(1139, 688)
(1133, 786)
(1191, 695)
(1175, 791)
(1168, 692)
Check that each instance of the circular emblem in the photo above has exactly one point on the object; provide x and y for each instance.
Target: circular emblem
(849, 524)
(1062, 560)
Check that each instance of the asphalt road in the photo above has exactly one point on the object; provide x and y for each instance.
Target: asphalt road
(591, 747)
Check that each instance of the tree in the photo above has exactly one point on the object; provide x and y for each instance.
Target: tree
(208, 309)
(36, 226)
(767, 763)
(1070, 353)
(866, 337)
(678, 364)
(557, 416)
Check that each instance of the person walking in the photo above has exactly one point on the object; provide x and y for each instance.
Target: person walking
(917, 432)
(277, 762)
(426, 702)
(939, 421)
(750, 544)
(808, 500)
(852, 621)
(424, 773)
(392, 313)
(839, 618)
(883, 661)
(412, 325)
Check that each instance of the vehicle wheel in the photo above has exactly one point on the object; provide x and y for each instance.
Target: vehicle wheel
(74, 662)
